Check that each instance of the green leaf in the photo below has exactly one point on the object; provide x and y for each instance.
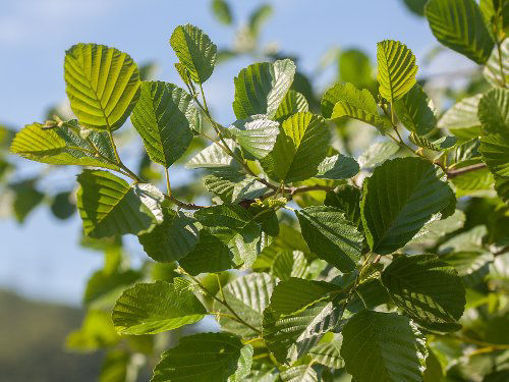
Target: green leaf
(399, 198)
(461, 119)
(62, 206)
(290, 264)
(115, 366)
(102, 84)
(149, 308)
(416, 6)
(472, 266)
(459, 25)
(378, 153)
(209, 255)
(492, 71)
(27, 198)
(495, 153)
(256, 135)
(502, 187)
(354, 66)
(347, 199)
(293, 102)
(436, 229)
(104, 287)
(291, 336)
(473, 182)
(258, 17)
(203, 357)
(300, 147)
(494, 111)
(236, 228)
(244, 365)
(247, 295)
(260, 88)
(221, 10)
(337, 167)
(173, 239)
(295, 294)
(428, 290)
(195, 51)
(414, 112)
(109, 206)
(301, 373)
(62, 146)
(328, 353)
(354, 103)
(213, 156)
(96, 332)
(161, 118)
(396, 69)
(233, 186)
(331, 236)
(391, 349)
(439, 144)
(471, 240)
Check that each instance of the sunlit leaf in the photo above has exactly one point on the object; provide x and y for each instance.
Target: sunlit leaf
(102, 85)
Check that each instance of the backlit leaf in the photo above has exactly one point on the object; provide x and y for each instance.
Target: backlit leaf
(102, 85)
(109, 206)
(195, 51)
(149, 308)
(459, 25)
(300, 148)
(161, 118)
(396, 69)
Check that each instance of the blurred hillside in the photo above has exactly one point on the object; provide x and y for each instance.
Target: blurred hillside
(32, 336)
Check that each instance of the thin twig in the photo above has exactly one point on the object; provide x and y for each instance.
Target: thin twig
(168, 185)
(460, 171)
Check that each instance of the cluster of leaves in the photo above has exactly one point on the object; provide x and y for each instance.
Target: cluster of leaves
(312, 265)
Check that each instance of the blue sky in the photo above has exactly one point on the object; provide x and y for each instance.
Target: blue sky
(34, 35)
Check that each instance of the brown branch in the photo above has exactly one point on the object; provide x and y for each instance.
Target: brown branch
(460, 171)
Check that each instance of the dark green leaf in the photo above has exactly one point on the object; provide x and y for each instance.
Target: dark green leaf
(331, 236)
(459, 25)
(427, 289)
(203, 357)
(391, 349)
(399, 198)
(414, 112)
(337, 167)
(171, 240)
